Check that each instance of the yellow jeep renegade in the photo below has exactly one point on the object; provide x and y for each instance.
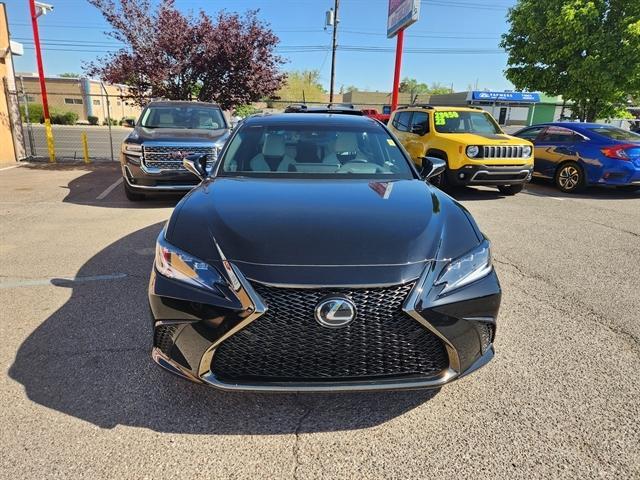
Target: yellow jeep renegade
(476, 150)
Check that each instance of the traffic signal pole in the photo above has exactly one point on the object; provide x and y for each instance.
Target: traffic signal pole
(43, 86)
(396, 74)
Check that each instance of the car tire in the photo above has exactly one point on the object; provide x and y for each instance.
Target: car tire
(131, 195)
(440, 181)
(570, 178)
(628, 188)
(510, 189)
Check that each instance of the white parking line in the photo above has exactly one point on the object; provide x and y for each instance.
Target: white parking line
(16, 283)
(109, 189)
(9, 168)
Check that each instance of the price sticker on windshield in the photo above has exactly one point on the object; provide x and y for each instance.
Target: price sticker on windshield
(441, 117)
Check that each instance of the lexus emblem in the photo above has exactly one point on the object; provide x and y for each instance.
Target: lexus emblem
(335, 312)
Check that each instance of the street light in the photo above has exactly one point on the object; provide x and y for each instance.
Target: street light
(37, 9)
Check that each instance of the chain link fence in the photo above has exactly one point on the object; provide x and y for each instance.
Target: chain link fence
(92, 126)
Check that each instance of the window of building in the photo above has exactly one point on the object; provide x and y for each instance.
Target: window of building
(96, 102)
(73, 101)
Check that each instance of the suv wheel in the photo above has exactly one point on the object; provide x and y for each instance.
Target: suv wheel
(131, 195)
(510, 189)
(570, 178)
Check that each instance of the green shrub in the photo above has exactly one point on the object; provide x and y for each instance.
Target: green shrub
(35, 113)
(64, 118)
(93, 120)
(114, 122)
(246, 110)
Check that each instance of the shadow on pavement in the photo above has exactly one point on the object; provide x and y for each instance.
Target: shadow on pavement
(94, 179)
(90, 359)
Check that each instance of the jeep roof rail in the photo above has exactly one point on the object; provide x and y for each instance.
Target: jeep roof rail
(417, 105)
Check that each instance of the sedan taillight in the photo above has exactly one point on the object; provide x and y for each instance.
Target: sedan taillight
(620, 152)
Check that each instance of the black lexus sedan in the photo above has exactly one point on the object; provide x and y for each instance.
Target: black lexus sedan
(315, 257)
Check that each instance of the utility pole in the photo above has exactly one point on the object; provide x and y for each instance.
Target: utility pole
(38, 9)
(333, 53)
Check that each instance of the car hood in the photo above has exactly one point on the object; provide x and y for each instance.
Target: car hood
(178, 135)
(278, 230)
(485, 139)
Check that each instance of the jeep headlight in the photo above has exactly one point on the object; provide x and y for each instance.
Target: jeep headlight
(526, 151)
(466, 269)
(473, 151)
(177, 264)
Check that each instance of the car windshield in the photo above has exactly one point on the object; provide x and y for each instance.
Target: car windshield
(615, 133)
(465, 122)
(191, 117)
(312, 151)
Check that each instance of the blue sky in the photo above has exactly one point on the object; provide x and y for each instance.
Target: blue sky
(462, 37)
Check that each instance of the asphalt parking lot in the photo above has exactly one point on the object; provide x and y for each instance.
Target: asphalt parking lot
(81, 397)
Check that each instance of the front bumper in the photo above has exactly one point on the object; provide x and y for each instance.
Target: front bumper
(190, 326)
(142, 179)
(490, 175)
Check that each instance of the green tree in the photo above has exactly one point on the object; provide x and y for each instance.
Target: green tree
(69, 75)
(439, 89)
(413, 88)
(302, 85)
(588, 51)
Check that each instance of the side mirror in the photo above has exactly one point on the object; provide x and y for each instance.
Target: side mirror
(418, 129)
(432, 167)
(196, 164)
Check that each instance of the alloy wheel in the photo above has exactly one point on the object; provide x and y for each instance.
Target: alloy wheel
(569, 177)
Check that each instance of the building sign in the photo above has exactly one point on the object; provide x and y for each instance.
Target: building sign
(402, 13)
(523, 97)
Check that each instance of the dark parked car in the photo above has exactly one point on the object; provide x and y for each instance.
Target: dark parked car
(316, 257)
(166, 133)
(576, 155)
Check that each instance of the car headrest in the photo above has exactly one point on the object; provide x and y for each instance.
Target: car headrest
(346, 142)
(273, 145)
(165, 119)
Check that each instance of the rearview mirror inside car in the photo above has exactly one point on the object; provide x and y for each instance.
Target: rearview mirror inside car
(432, 167)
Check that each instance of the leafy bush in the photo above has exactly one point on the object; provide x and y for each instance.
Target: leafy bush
(64, 118)
(246, 110)
(58, 117)
(93, 120)
(35, 113)
(114, 122)
(128, 121)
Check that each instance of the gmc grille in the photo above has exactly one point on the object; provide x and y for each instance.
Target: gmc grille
(165, 157)
(287, 344)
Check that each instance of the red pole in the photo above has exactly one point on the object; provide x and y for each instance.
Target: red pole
(396, 75)
(36, 39)
(43, 85)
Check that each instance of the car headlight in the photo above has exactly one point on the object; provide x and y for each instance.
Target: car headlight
(132, 149)
(526, 151)
(467, 269)
(473, 151)
(177, 264)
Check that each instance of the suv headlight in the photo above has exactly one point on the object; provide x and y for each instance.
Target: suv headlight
(467, 269)
(473, 151)
(177, 264)
(132, 149)
(526, 151)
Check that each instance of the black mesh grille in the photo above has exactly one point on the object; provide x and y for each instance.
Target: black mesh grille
(287, 344)
(163, 338)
